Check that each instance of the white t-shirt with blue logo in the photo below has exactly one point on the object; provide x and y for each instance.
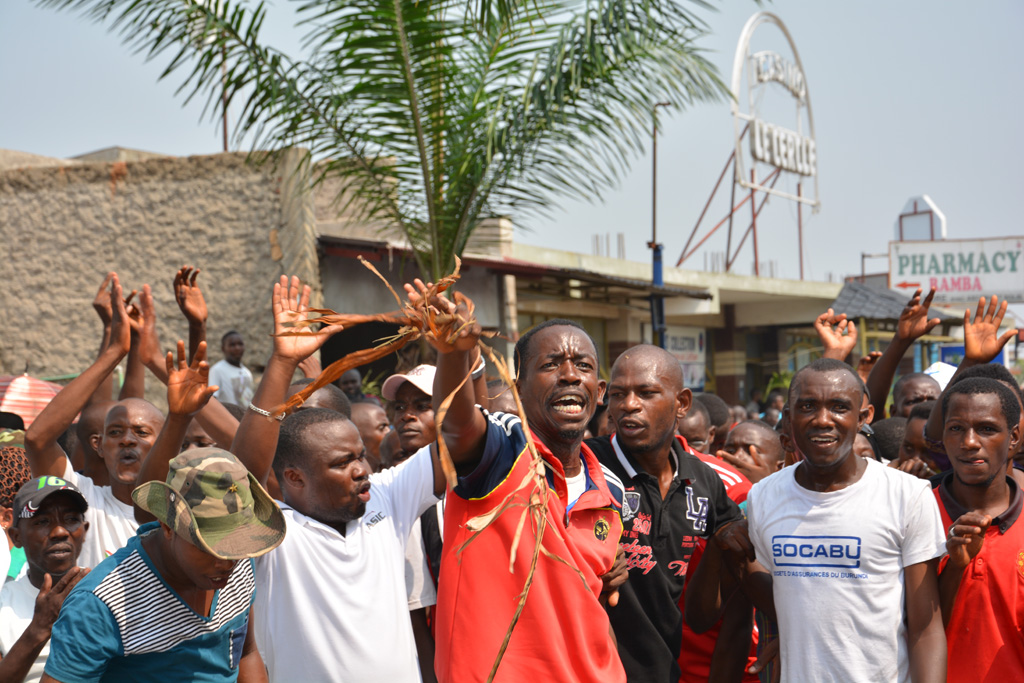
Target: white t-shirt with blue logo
(837, 563)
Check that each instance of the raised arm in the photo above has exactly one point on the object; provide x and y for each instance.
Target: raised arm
(464, 427)
(982, 343)
(926, 639)
(913, 324)
(149, 341)
(41, 448)
(214, 417)
(837, 334)
(256, 439)
(101, 304)
(187, 393)
(135, 372)
(192, 304)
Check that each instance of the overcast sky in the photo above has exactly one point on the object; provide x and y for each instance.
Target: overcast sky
(909, 97)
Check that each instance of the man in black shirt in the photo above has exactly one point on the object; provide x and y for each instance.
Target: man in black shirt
(671, 498)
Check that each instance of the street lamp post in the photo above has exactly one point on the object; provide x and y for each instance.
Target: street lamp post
(657, 276)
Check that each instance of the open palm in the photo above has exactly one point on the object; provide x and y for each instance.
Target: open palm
(982, 342)
(291, 305)
(914, 322)
(189, 295)
(188, 387)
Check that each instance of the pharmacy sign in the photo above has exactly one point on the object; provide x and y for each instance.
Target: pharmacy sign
(959, 270)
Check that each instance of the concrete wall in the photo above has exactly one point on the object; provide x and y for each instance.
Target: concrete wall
(64, 228)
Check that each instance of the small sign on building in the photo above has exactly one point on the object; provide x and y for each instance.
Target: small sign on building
(687, 344)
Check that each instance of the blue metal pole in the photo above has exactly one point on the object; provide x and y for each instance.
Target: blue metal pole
(657, 302)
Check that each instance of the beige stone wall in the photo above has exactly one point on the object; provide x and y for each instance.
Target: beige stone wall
(63, 228)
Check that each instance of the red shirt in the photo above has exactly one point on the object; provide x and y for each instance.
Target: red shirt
(563, 633)
(985, 636)
(697, 648)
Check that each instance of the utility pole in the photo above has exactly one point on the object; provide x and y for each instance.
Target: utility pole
(657, 276)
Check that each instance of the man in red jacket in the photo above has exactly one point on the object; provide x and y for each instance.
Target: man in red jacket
(563, 633)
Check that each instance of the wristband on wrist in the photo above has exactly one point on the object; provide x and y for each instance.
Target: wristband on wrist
(265, 413)
(478, 371)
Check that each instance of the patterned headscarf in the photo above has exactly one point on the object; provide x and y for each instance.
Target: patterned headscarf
(14, 467)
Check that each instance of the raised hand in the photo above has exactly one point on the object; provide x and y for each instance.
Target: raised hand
(867, 362)
(966, 537)
(189, 296)
(457, 328)
(750, 463)
(837, 334)
(914, 322)
(290, 304)
(120, 325)
(310, 367)
(187, 385)
(101, 304)
(982, 342)
(149, 340)
(914, 466)
(135, 317)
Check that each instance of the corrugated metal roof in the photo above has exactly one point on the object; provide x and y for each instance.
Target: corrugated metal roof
(618, 288)
(861, 301)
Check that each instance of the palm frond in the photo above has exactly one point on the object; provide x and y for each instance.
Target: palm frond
(436, 114)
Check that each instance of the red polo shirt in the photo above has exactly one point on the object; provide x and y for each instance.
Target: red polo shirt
(985, 636)
(563, 633)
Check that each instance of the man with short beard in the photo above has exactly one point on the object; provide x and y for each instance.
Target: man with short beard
(671, 500)
(130, 428)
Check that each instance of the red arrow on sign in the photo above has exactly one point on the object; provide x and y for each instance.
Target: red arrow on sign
(908, 285)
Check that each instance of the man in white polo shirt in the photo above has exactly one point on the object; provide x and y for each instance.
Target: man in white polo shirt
(332, 599)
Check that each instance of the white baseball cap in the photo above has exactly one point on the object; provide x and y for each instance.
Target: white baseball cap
(421, 377)
(941, 373)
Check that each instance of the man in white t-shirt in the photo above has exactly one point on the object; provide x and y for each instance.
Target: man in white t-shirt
(233, 379)
(848, 547)
(49, 515)
(332, 598)
(130, 428)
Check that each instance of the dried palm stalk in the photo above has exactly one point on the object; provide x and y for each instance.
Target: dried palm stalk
(412, 319)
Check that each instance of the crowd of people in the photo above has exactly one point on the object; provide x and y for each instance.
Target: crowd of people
(553, 525)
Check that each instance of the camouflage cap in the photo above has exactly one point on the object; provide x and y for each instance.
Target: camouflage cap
(212, 501)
